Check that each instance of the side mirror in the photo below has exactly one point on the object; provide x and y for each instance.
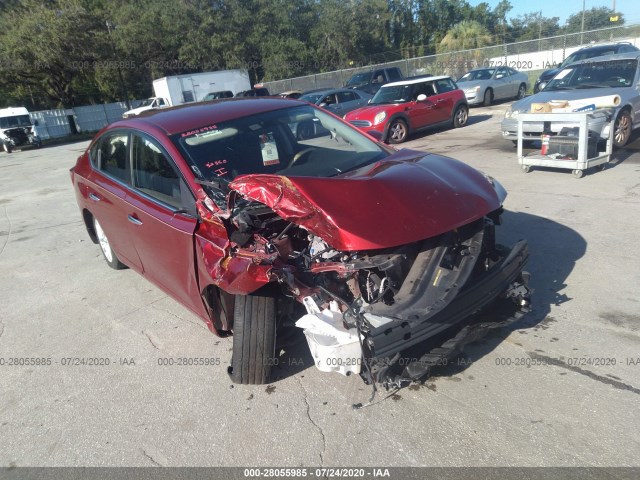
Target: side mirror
(35, 123)
(422, 97)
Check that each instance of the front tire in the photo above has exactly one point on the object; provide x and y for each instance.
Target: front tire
(488, 97)
(622, 129)
(460, 116)
(522, 91)
(398, 131)
(109, 255)
(254, 334)
(7, 147)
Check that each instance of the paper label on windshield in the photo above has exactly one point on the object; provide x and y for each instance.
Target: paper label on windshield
(269, 149)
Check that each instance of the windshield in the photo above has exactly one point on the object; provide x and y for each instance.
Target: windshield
(294, 141)
(359, 78)
(147, 102)
(484, 74)
(397, 94)
(577, 56)
(609, 74)
(15, 121)
(311, 97)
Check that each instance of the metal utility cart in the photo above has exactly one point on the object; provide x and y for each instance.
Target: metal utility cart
(593, 129)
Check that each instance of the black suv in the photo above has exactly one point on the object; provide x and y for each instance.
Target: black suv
(583, 54)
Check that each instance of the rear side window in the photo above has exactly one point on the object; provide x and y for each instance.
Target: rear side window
(346, 97)
(445, 85)
(394, 74)
(153, 173)
(112, 156)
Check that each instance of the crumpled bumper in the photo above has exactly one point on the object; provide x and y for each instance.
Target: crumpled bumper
(384, 345)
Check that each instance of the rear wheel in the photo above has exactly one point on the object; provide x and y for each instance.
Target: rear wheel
(622, 129)
(109, 255)
(461, 116)
(398, 131)
(254, 334)
(488, 97)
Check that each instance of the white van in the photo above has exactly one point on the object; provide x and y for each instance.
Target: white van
(16, 129)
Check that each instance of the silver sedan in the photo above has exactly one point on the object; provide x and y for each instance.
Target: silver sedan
(484, 85)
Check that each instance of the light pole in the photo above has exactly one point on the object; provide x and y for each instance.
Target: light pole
(111, 25)
(582, 26)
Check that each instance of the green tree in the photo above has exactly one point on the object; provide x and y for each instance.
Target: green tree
(465, 35)
(49, 48)
(594, 18)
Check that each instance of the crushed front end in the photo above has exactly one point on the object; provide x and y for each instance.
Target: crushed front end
(396, 264)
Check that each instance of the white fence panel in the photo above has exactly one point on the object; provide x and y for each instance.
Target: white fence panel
(51, 123)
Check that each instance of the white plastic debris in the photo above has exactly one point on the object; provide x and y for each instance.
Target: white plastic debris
(333, 347)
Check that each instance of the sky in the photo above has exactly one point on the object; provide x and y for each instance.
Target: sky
(630, 8)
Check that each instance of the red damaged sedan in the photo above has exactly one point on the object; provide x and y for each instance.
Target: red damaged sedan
(372, 251)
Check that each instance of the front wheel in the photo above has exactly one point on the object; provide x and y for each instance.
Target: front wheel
(398, 131)
(254, 334)
(461, 116)
(622, 129)
(488, 97)
(7, 147)
(522, 90)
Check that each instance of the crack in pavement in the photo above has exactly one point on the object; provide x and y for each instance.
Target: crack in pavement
(8, 234)
(150, 457)
(153, 340)
(324, 439)
(594, 376)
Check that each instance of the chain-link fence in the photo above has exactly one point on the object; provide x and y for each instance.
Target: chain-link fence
(531, 56)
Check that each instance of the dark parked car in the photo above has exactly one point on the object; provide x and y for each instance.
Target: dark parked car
(400, 108)
(338, 101)
(583, 54)
(217, 95)
(254, 92)
(372, 80)
(224, 209)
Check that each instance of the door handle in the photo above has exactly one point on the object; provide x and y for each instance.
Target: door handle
(134, 220)
(94, 197)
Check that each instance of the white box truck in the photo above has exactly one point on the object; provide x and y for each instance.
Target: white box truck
(192, 87)
(16, 129)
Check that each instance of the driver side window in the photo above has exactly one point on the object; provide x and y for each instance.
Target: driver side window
(153, 173)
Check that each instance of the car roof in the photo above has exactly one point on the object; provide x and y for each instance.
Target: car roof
(194, 115)
(329, 90)
(411, 82)
(608, 58)
(604, 46)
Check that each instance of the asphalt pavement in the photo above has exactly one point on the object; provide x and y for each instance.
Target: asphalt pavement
(559, 388)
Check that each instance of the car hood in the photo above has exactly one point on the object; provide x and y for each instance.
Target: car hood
(405, 198)
(370, 111)
(549, 74)
(524, 105)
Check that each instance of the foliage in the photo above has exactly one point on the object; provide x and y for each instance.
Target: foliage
(72, 52)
